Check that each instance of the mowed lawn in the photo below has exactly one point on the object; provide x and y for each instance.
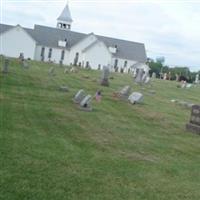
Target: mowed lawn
(50, 150)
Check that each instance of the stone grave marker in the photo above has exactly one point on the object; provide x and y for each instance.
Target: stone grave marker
(24, 64)
(197, 79)
(177, 77)
(105, 76)
(80, 95)
(64, 89)
(147, 79)
(194, 124)
(139, 76)
(52, 71)
(153, 75)
(136, 97)
(6, 66)
(66, 70)
(124, 92)
(85, 104)
(21, 57)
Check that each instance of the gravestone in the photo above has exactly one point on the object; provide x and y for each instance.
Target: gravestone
(135, 97)
(5, 66)
(52, 71)
(24, 64)
(177, 77)
(139, 76)
(165, 76)
(197, 79)
(105, 76)
(147, 79)
(64, 89)
(66, 70)
(85, 104)
(21, 57)
(194, 124)
(153, 75)
(124, 92)
(80, 95)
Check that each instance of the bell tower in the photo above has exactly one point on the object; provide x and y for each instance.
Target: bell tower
(64, 21)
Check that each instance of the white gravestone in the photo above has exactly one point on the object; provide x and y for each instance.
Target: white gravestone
(135, 97)
(85, 104)
(80, 95)
(197, 79)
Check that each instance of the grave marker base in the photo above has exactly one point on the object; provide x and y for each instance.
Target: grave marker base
(193, 128)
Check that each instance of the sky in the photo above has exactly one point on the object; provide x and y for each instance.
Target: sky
(169, 28)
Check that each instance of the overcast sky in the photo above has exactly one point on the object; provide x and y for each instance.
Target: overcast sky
(169, 28)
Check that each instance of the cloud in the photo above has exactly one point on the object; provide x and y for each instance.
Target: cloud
(168, 28)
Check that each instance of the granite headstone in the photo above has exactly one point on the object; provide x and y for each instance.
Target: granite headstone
(194, 124)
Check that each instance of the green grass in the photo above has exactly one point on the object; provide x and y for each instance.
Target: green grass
(51, 150)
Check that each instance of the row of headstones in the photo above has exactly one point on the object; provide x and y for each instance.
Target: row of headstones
(72, 69)
(6, 65)
(84, 101)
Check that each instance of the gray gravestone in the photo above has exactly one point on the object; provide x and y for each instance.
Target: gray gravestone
(194, 124)
(64, 89)
(66, 70)
(24, 64)
(124, 92)
(177, 77)
(85, 104)
(135, 97)
(5, 66)
(21, 56)
(147, 79)
(153, 75)
(52, 71)
(80, 95)
(105, 76)
(139, 76)
(197, 79)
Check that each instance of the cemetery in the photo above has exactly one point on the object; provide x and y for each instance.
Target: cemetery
(141, 141)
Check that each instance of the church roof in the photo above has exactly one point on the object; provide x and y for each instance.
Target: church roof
(65, 15)
(48, 36)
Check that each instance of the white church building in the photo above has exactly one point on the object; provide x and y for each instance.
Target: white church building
(61, 45)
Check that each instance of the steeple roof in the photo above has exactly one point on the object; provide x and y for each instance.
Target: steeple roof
(65, 15)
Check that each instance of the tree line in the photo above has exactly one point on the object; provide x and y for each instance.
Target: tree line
(160, 69)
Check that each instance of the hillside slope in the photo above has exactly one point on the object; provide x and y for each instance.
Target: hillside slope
(51, 150)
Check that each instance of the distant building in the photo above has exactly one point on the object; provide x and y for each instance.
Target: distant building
(60, 44)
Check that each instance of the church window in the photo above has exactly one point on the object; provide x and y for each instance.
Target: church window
(42, 51)
(116, 63)
(50, 53)
(76, 59)
(125, 63)
(62, 54)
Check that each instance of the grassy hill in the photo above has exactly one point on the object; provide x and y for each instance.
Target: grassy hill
(51, 150)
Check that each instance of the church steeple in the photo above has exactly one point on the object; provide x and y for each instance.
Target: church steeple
(64, 21)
